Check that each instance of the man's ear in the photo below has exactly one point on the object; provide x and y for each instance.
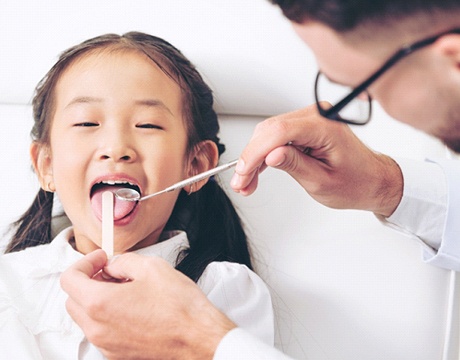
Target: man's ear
(204, 157)
(41, 162)
(449, 46)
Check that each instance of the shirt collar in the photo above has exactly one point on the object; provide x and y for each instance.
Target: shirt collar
(61, 254)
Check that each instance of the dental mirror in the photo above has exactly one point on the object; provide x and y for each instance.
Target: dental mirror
(128, 194)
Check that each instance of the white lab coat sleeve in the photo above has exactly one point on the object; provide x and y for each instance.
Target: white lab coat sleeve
(448, 253)
(242, 296)
(241, 345)
(430, 208)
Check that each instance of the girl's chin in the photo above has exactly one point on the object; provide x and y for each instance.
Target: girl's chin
(127, 237)
(85, 244)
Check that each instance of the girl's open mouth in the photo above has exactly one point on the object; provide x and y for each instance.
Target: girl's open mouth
(121, 208)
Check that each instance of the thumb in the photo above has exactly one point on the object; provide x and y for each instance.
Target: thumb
(90, 264)
(132, 266)
(289, 159)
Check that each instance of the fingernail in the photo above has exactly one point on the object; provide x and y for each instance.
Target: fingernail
(235, 181)
(281, 162)
(240, 166)
(105, 276)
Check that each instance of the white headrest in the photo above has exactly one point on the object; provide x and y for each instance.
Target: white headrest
(246, 50)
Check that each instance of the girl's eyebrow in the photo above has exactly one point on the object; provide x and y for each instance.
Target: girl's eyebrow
(83, 100)
(153, 103)
(146, 102)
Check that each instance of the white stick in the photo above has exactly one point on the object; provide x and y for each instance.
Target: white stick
(107, 223)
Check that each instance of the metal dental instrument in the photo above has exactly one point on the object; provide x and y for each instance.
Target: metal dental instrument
(128, 194)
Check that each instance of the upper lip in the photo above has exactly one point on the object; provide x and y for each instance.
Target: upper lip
(120, 178)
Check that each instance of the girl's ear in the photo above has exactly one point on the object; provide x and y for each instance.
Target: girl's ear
(41, 162)
(205, 157)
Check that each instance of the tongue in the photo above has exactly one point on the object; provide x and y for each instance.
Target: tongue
(121, 208)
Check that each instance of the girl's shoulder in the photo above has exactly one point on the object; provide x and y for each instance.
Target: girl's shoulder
(30, 292)
(226, 272)
(242, 295)
(22, 261)
(37, 262)
(22, 271)
(232, 281)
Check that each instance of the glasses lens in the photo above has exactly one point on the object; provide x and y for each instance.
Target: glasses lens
(357, 111)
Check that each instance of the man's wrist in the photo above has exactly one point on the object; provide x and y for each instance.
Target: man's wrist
(203, 339)
(391, 187)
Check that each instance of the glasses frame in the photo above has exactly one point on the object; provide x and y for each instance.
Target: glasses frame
(333, 112)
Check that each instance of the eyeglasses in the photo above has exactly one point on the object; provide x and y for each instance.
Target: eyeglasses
(356, 107)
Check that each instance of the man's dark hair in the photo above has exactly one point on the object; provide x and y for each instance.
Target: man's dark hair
(346, 15)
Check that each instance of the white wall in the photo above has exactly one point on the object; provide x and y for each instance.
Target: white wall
(240, 46)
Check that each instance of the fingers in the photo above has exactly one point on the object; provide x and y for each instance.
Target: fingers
(252, 159)
(77, 282)
(299, 128)
(73, 279)
(247, 184)
(77, 313)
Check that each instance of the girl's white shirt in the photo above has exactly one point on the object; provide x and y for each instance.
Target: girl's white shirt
(34, 323)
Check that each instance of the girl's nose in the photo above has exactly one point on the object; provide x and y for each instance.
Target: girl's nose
(118, 149)
(127, 157)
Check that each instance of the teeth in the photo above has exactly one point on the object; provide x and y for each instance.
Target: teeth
(117, 182)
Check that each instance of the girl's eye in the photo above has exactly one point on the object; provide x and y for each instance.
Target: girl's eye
(86, 124)
(149, 126)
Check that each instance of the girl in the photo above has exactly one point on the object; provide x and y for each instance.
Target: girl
(113, 112)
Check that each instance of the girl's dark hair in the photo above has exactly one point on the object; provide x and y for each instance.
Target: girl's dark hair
(346, 15)
(213, 227)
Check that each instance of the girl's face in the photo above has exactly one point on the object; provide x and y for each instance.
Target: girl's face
(117, 117)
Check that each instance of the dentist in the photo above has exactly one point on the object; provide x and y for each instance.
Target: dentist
(405, 54)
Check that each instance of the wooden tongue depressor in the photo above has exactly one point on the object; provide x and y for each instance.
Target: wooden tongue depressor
(107, 223)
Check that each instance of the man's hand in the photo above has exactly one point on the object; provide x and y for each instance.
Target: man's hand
(326, 159)
(151, 311)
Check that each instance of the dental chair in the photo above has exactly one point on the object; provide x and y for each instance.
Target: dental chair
(343, 286)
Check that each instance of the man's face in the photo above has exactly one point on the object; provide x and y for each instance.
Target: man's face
(422, 90)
